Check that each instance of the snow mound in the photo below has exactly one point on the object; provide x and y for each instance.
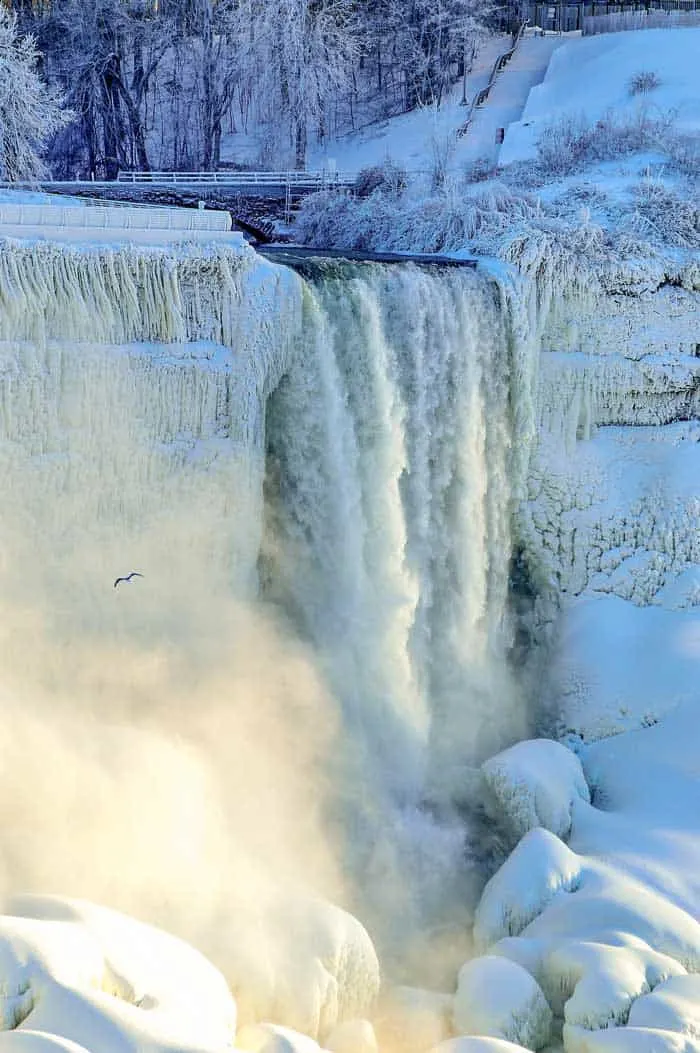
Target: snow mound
(354, 1036)
(536, 783)
(498, 998)
(540, 868)
(412, 1019)
(324, 973)
(602, 981)
(270, 1038)
(477, 1044)
(627, 1040)
(36, 1042)
(673, 1005)
(109, 983)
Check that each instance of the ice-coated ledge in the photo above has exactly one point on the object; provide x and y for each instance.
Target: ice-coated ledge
(105, 216)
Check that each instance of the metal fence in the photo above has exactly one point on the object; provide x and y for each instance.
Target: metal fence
(571, 17)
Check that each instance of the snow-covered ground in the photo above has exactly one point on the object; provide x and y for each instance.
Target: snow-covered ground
(594, 77)
(413, 138)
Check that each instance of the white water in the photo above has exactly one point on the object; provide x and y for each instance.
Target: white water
(143, 398)
(391, 446)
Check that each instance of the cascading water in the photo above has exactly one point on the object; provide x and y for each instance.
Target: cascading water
(390, 451)
(337, 458)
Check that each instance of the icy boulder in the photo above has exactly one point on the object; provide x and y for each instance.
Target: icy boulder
(672, 1006)
(72, 970)
(535, 783)
(270, 1038)
(599, 982)
(412, 1019)
(306, 964)
(538, 870)
(497, 998)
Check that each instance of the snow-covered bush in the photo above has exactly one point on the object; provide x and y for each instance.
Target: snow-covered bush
(443, 222)
(572, 142)
(645, 80)
(387, 176)
(29, 111)
(662, 215)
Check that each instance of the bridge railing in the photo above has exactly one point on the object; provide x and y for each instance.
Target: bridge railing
(318, 179)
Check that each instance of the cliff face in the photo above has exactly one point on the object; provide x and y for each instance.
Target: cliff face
(611, 515)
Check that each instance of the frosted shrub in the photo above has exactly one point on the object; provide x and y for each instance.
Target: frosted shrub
(643, 82)
(386, 176)
(443, 222)
(480, 170)
(572, 143)
(684, 151)
(663, 215)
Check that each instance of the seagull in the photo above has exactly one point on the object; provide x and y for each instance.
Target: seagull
(128, 577)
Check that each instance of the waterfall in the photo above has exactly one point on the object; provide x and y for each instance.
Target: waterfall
(390, 466)
(316, 476)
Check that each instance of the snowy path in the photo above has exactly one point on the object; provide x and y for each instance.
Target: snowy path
(509, 95)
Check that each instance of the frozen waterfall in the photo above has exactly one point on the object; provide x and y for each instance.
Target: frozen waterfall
(316, 476)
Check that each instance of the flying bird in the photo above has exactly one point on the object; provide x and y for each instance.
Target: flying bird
(128, 577)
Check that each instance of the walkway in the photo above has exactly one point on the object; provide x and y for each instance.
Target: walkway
(508, 96)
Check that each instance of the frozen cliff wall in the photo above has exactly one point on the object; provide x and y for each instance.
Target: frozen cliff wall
(612, 507)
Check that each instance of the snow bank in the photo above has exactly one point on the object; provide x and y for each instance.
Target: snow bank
(498, 998)
(536, 783)
(591, 76)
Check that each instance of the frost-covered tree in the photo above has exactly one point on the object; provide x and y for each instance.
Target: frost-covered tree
(30, 112)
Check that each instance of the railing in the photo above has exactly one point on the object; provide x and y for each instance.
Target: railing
(623, 21)
(325, 178)
(568, 17)
(481, 96)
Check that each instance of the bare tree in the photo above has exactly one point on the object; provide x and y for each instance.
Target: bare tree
(29, 111)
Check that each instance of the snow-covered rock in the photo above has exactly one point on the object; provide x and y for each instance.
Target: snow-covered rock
(324, 972)
(271, 1038)
(108, 982)
(536, 783)
(498, 998)
(673, 1005)
(540, 868)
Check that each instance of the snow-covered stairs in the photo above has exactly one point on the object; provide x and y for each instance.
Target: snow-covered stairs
(508, 96)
